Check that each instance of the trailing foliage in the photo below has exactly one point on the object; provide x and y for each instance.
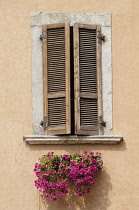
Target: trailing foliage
(53, 173)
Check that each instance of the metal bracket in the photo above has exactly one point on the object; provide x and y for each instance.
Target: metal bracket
(43, 36)
(102, 122)
(44, 122)
(100, 37)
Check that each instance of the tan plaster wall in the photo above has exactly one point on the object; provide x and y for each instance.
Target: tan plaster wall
(117, 186)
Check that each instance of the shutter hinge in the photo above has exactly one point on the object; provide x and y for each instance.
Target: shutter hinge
(44, 122)
(43, 36)
(102, 122)
(100, 37)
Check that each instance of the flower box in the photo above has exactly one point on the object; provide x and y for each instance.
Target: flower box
(55, 171)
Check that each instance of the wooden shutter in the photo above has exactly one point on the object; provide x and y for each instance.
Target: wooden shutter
(87, 80)
(56, 74)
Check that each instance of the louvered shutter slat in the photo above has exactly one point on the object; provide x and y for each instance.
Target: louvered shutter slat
(88, 106)
(56, 59)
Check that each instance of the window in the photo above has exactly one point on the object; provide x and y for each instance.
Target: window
(72, 75)
(100, 19)
(103, 95)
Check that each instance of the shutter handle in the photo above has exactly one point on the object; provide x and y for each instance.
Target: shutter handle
(102, 122)
(44, 122)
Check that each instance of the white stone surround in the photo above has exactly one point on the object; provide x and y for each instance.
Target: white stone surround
(39, 19)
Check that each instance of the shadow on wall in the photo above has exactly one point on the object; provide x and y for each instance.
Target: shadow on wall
(80, 148)
(97, 199)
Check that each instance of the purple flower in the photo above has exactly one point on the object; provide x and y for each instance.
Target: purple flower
(54, 199)
(53, 187)
(46, 172)
(60, 171)
(52, 195)
(65, 183)
(52, 171)
(56, 186)
(73, 162)
(61, 193)
(65, 156)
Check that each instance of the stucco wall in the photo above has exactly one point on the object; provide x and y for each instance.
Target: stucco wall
(117, 186)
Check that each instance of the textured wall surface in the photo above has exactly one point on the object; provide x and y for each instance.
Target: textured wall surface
(117, 186)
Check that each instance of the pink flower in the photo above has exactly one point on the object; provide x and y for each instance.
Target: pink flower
(60, 171)
(61, 193)
(52, 171)
(66, 183)
(73, 162)
(56, 186)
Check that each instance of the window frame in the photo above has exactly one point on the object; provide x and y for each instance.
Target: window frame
(39, 19)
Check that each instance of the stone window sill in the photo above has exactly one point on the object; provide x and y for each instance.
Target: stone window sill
(44, 139)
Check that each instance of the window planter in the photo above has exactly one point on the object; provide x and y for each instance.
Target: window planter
(54, 173)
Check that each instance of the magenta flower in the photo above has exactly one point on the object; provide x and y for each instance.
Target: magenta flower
(52, 171)
(61, 193)
(60, 171)
(53, 187)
